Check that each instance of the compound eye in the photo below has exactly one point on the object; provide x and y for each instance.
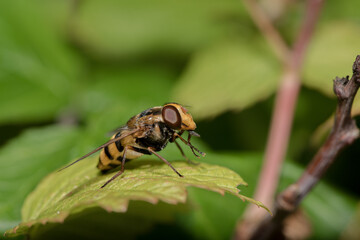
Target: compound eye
(171, 117)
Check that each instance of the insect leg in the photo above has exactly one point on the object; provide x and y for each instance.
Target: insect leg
(183, 154)
(192, 133)
(190, 145)
(174, 136)
(165, 161)
(119, 172)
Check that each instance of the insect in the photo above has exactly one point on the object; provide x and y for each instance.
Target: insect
(146, 133)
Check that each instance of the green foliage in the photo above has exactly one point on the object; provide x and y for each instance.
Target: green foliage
(340, 47)
(78, 188)
(36, 65)
(124, 29)
(72, 71)
(116, 92)
(353, 231)
(25, 161)
(232, 76)
(344, 46)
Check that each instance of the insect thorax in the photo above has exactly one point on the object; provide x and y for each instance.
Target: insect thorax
(157, 137)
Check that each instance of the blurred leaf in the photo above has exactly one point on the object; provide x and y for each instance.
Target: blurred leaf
(228, 76)
(353, 231)
(58, 13)
(78, 188)
(321, 132)
(330, 210)
(309, 103)
(128, 28)
(320, 71)
(37, 70)
(332, 53)
(335, 10)
(24, 161)
(125, 91)
(114, 95)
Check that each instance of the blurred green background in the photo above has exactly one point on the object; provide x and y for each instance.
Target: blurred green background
(72, 71)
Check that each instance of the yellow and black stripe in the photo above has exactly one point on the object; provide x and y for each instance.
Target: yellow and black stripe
(111, 155)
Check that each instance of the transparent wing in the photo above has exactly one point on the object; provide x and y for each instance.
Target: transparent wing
(101, 147)
(119, 129)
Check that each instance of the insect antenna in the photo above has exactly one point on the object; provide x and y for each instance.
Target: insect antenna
(100, 147)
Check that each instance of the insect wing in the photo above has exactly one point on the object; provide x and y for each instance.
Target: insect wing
(119, 129)
(101, 147)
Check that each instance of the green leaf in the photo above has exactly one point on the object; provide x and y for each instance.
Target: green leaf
(78, 188)
(335, 10)
(25, 161)
(35, 64)
(231, 75)
(319, 71)
(352, 231)
(331, 53)
(136, 28)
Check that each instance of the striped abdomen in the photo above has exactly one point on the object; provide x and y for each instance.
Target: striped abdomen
(111, 155)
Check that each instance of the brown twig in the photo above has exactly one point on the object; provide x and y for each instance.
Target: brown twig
(283, 114)
(343, 134)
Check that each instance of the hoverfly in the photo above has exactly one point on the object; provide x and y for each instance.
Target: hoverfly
(146, 133)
